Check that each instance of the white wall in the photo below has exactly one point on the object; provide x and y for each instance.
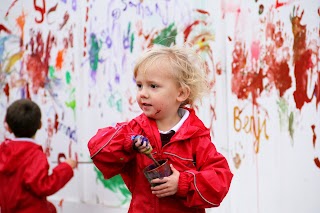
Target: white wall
(83, 81)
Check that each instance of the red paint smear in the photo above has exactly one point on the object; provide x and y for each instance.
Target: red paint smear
(245, 82)
(70, 149)
(314, 138)
(300, 71)
(65, 20)
(85, 30)
(302, 61)
(279, 73)
(38, 61)
(227, 7)
(13, 3)
(189, 28)
(317, 162)
(278, 39)
(28, 91)
(279, 4)
(37, 72)
(255, 50)
(317, 91)
(270, 29)
(3, 28)
(50, 128)
(56, 122)
(250, 83)
(52, 9)
(6, 90)
(71, 38)
(219, 68)
(203, 11)
(277, 69)
(61, 155)
(76, 159)
(41, 10)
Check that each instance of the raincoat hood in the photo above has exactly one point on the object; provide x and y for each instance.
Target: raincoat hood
(12, 152)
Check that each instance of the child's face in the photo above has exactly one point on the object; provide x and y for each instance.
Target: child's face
(159, 94)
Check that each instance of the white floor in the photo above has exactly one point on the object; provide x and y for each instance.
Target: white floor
(70, 207)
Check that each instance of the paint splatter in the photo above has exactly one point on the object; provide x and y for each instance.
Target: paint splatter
(95, 47)
(37, 63)
(115, 184)
(167, 36)
(302, 59)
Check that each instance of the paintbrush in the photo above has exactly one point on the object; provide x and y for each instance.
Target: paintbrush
(78, 162)
(149, 155)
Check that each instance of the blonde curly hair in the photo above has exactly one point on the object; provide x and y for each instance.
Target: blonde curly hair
(187, 67)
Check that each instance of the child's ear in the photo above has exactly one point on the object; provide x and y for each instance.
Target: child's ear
(6, 126)
(184, 94)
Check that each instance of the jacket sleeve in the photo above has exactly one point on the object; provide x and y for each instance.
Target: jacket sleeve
(37, 178)
(111, 148)
(208, 185)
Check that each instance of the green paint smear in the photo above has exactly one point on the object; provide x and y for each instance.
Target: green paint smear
(115, 184)
(131, 42)
(51, 72)
(166, 36)
(72, 104)
(290, 127)
(283, 112)
(286, 118)
(68, 77)
(112, 102)
(94, 52)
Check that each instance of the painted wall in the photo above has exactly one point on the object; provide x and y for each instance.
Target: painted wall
(75, 59)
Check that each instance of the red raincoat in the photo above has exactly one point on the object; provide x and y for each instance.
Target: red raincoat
(24, 179)
(204, 179)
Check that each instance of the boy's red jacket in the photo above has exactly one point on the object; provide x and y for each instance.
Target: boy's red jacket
(204, 179)
(24, 179)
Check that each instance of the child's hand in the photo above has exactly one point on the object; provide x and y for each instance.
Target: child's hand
(169, 184)
(142, 144)
(71, 162)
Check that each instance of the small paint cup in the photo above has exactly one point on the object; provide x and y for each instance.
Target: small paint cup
(153, 171)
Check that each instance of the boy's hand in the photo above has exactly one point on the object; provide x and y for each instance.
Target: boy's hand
(169, 185)
(141, 144)
(71, 162)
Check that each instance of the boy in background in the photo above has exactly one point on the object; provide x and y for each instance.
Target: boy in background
(24, 179)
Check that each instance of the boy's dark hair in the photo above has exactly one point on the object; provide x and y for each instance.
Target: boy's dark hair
(23, 118)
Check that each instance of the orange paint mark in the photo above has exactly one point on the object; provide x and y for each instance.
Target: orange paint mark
(61, 202)
(59, 59)
(250, 125)
(21, 20)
